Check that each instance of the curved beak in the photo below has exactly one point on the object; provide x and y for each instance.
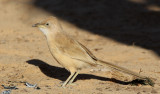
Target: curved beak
(36, 25)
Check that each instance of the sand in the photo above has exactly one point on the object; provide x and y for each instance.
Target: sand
(25, 57)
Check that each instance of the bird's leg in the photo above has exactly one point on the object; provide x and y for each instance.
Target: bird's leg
(73, 77)
(68, 79)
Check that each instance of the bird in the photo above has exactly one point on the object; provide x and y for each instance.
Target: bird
(70, 53)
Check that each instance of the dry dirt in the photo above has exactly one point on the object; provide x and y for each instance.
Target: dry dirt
(24, 55)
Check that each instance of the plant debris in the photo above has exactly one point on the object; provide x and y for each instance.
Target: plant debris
(6, 92)
(30, 85)
(146, 81)
(9, 87)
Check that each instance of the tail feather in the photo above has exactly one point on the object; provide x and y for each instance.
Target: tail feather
(119, 68)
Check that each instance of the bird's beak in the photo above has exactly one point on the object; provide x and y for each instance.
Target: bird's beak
(36, 25)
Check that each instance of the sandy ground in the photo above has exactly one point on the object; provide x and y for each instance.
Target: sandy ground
(25, 57)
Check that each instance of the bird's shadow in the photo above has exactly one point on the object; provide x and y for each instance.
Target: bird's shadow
(62, 74)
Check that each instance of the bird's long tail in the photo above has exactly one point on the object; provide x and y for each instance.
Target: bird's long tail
(119, 68)
(146, 80)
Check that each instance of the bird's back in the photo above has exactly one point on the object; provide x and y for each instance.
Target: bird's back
(71, 48)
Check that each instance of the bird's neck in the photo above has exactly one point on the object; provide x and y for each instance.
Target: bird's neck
(50, 36)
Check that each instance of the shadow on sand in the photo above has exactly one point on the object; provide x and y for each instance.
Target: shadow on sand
(62, 74)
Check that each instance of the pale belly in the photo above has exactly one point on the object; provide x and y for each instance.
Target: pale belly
(69, 63)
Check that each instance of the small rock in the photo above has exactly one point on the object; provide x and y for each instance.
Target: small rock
(99, 89)
(97, 49)
(117, 89)
(92, 70)
(144, 90)
(139, 93)
(107, 87)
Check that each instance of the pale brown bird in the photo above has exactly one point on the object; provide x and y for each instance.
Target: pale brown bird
(71, 54)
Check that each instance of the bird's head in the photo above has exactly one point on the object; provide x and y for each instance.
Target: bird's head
(49, 25)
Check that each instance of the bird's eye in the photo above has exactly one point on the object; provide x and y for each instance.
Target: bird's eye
(47, 24)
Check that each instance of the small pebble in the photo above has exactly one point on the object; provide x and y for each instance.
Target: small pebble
(139, 93)
(99, 89)
(117, 89)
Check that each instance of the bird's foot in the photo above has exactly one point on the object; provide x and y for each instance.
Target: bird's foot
(62, 84)
(72, 84)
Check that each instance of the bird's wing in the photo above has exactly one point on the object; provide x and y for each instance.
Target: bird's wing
(88, 51)
(74, 49)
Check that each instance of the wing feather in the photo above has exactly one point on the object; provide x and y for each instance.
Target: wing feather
(74, 49)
